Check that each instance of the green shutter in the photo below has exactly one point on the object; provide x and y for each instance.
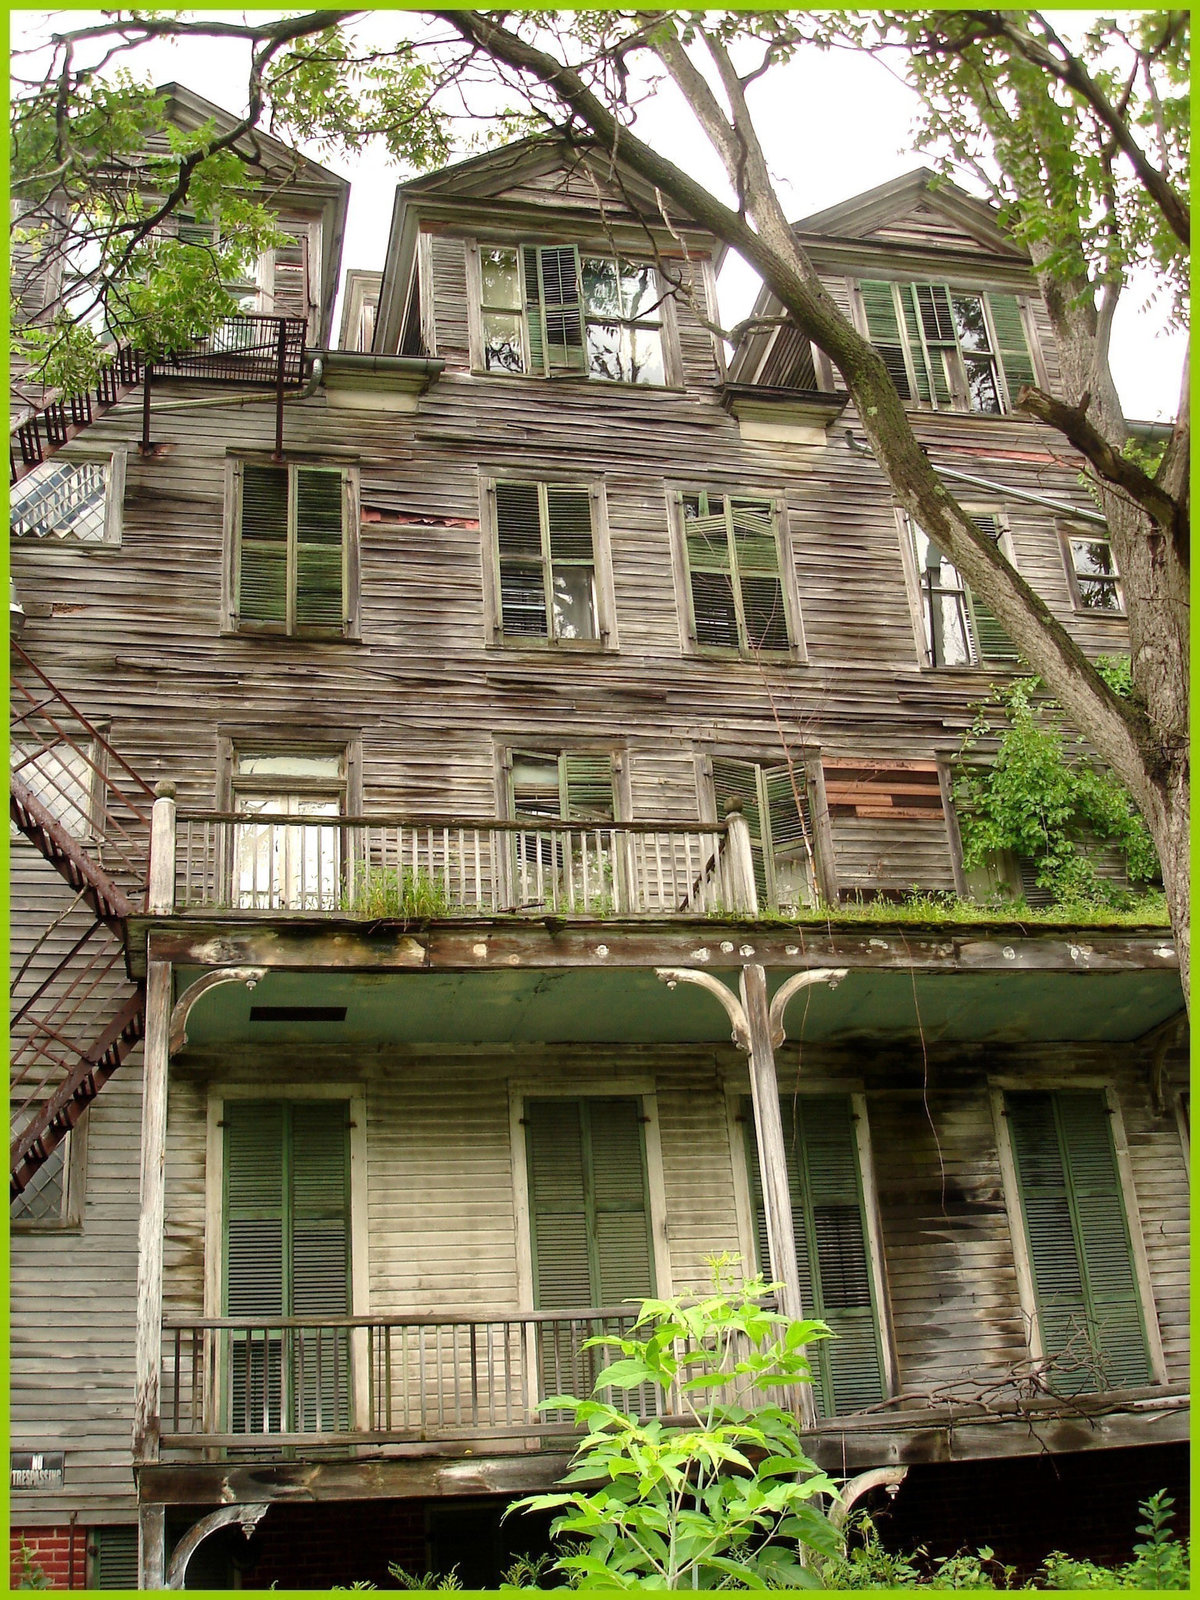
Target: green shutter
(263, 545)
(884, 332)
(991, 641)
(710, 569)
(587, 787)
(588, 1201)
(115, 1563)
(287, 1254)
(738, 780)
(791, 833)
(320, 521)
(755, 535)
(522, 572)
(1011, 344)
(1078, 1235)
(569, 523)
(830, 1229)
(561, 309)
(533, 309)
(930, 332)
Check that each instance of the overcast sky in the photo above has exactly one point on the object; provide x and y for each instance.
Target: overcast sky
(833, 124)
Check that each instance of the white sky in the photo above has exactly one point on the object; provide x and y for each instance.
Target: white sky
(833, 124)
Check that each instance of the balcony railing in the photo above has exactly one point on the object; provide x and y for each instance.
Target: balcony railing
(265, 1383)
(384, 866)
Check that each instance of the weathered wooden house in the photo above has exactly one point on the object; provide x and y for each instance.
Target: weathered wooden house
(507, 704)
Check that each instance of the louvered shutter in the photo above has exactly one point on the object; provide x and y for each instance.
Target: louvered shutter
(522, 571)
(1084, 1283)
(263, 545)
(739, 780)
(320, 1262)
(830, 1232)
(255, 1260)
(884, 332)
(587, 787)
(562, 310)
(1033, 893)
(115, 1564)
(710, 568)
(533, 309)
(931, 333)
(791, 834)
(1011, 344)
(756, 551)
(320, 560)
(622, 1212)
(562, 1274)
(290, 277)
(990, 640)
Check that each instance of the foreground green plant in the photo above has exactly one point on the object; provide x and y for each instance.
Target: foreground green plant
(1159, 1562)
(725, 1499)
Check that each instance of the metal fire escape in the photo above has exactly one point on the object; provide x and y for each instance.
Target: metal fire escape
(76, 1013)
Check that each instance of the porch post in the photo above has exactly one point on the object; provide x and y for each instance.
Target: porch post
(148, 1347)
(741, 857)
(152, 1546)
(772, 1159)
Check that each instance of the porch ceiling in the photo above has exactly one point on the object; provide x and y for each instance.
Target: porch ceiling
(631, 1006)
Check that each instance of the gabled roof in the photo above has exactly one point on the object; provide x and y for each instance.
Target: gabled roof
(920, 207)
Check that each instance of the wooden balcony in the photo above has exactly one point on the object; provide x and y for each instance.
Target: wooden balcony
(390, 867)
(298, 1384)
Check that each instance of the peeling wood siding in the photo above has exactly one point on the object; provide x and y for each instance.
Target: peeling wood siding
(926, 227)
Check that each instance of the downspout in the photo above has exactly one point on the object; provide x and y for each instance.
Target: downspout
(1004, 489)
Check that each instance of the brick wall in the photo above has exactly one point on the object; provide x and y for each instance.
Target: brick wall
(61, 1553)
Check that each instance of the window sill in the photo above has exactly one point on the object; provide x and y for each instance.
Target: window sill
(770, 658)
(541, 647)
(314, 637)
(1095, 614)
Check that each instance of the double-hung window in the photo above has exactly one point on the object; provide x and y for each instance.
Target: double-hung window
(546, 560)
(52, 1198)
(1092, 571)
(954, 349)
(833, 1251)
(551, 310)
(294, 550)
(778, 812)
(281, 864)
(1091, 1325)
(70, 501)
(958, 628)
(737, 597)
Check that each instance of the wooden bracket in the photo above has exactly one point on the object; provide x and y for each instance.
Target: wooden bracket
(248, 1515)
(177, 1037)
(889, 1478)
(705, 980)
(799, 980)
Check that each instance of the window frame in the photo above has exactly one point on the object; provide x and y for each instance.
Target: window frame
(606, 639)
(667, 324)
(954, 368)
(998, 1087)
(907, 530)
(808, 762)
(796, 652)
(737, 1090)
(74, 1170)
(1071, 533)
(617, 1087)
(231, 623)
(114, 462)
(508, 749)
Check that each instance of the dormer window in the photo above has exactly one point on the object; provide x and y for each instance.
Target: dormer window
(553, 311)
(954, 349)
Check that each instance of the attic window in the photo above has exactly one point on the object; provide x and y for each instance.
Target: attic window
(548, 310)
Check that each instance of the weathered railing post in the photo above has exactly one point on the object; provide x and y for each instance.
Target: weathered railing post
(161, 896)
(741, 858)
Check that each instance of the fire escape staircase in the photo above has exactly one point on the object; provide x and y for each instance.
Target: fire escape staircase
(87, 814)
(84, 810)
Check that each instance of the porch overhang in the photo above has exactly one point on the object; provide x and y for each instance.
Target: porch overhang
(501, 982)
